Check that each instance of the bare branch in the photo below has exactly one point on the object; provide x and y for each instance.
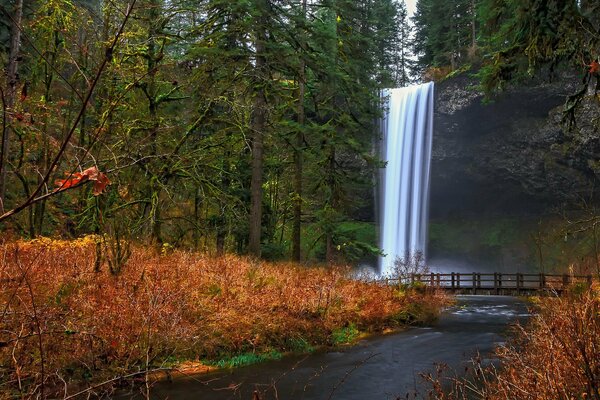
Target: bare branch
(108, 57)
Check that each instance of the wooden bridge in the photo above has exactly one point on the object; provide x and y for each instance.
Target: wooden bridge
(498, 283)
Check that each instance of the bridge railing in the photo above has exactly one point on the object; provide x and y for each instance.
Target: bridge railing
(496, 281)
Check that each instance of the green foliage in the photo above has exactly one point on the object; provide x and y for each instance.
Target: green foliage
(246, 359)
(417, 314)
(345, 335)
(357, 240)
(173, 116)
(274, 251)
(445, 33)
(579, 289)
(509, 41)
(354, 240)
(523, 38)
(300, 345)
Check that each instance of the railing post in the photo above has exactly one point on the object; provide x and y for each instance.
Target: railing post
(438, 283)
(479, 281)
(542, 282)
(496, 289)
(452, 278)
(589, 280)
(474, 280)
(499, 282)
(458, 280)
(432, 280)
(565, 280)
(519, 282)
(522, 281)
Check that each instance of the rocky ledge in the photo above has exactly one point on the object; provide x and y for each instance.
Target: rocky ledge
(512, 154)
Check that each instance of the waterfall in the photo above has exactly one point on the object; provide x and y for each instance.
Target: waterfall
(404, 184)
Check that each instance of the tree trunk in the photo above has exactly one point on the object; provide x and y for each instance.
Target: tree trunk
(473, 26)
(154, 56)
(298, 163)
(220, 241)
(13, 79)
(257, 127)
(45, 159)
(197, 211)
(222, 220)
(333, 203)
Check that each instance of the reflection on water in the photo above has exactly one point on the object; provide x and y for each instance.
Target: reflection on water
(384, 367)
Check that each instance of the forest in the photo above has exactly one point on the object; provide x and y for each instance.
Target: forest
(243, 127)
(177, 161)
(221, 126)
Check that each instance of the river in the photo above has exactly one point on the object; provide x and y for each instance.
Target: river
(383, 367)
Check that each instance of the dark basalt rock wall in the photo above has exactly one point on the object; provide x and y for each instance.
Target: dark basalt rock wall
(511, 156)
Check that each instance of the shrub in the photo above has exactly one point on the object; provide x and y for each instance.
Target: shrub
(68, 325)
(555, 356)
(345, 335)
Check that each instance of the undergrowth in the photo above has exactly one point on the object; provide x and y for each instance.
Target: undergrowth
(555, 356)
(244, 359)
(68, 323)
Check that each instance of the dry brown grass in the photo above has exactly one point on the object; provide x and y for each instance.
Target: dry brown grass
(555, 356)
(64, 327)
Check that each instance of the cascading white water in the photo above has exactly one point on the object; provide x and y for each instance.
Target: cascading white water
(406, 147)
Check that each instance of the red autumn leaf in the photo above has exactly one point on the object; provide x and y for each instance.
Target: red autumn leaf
(100, 184)
(91, 174)
(72, 180)
(594, 67)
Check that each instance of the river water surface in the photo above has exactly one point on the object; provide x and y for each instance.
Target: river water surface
(384, 367)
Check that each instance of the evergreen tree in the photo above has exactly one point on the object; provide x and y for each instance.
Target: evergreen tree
(445, 32)
(524, 37)
(190, 95)
(392, 38)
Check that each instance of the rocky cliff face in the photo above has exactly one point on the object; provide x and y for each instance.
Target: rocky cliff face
(512, 155)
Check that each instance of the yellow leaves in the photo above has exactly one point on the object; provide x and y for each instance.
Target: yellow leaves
(58, 244)
(166, 249)
(338, 19)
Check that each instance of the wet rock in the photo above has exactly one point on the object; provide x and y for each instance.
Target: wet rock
(512, 154)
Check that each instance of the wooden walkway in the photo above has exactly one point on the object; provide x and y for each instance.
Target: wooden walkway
(499, 283)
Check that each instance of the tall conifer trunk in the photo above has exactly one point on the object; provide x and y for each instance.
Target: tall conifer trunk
(473, 26)
(154, 54)
(257, 128)
(298, 163)
(13, 79)
(330, 250)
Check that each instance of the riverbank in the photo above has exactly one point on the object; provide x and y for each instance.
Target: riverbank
(68, 323)
(378, 367)
(555, 355)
